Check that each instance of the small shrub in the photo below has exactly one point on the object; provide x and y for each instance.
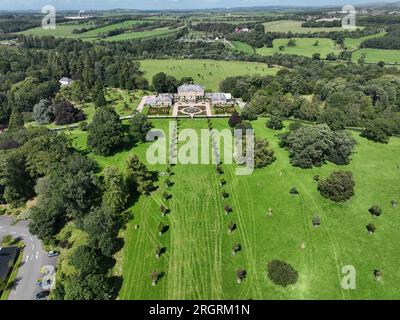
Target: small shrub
(371, 228)
(316, 221)
(83, 126)
(376, 211)
(294, 191)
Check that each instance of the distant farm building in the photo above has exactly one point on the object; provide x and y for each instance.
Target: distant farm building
(238, 30)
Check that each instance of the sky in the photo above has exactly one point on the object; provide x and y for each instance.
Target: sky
(166, 4)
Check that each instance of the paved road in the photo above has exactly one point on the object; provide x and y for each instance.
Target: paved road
(33, 260)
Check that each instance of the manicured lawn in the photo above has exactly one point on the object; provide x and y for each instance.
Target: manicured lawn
(198, 262)
(208, 73)
(304, 47)
(377, 55)
(294, 26)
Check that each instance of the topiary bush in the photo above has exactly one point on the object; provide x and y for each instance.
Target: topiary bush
(338, 187)
(282, 273)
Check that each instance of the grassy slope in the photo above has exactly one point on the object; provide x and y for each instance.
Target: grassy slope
(198, 263)
(377, 55)
(219, 70)
(62, 31)
(66, 31)
(99, 31)
(353, 44)
(142, 34)
(304, 47)
(242, 47)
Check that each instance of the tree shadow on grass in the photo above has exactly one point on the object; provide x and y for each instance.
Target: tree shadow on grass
(116, 283)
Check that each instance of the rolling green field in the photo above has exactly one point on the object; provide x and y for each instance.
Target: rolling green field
(99, 31)
(160, 32)
(304, 47)
(62, 31)
(377, 55)
(66, 31)
(208, 73)
(294, 26)
(353, 44)
(242, 47)
(198, 262)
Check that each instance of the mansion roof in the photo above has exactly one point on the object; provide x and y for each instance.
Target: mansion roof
(190, 88)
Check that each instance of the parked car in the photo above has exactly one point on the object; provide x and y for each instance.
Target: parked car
(53, 254)
(42, 295)
(42, 283)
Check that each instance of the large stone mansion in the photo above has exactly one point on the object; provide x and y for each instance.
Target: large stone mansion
(190, 93)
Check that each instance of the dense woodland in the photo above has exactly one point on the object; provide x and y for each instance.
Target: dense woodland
(348, 95)
(390, 41)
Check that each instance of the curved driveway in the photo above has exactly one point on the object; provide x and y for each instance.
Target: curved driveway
(33, 260)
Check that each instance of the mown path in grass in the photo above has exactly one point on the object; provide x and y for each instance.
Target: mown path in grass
(198, 263)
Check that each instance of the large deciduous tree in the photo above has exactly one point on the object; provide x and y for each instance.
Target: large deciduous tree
(44, 112)
(338, 187)
(66, 113)
(139, 178)
(115, 196)
(139, 127)
(311, 146)
(106, 133)
(102, 227)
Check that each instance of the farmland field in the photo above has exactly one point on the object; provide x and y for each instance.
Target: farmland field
(208, 73)
(62, 30)
(304, 47)
(102, 30)
(242, 47)
(66, 31)
(143, 34)
(353, 44)
(294, 26)
(198, 262)
(377, 55)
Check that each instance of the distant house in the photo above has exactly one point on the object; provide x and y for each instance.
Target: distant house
(65, 81)
(161, 100)
(7, 258)
(190, 92)
(219, 98)
(238, 30)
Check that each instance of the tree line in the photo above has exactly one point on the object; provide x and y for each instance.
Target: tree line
(341, 96)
